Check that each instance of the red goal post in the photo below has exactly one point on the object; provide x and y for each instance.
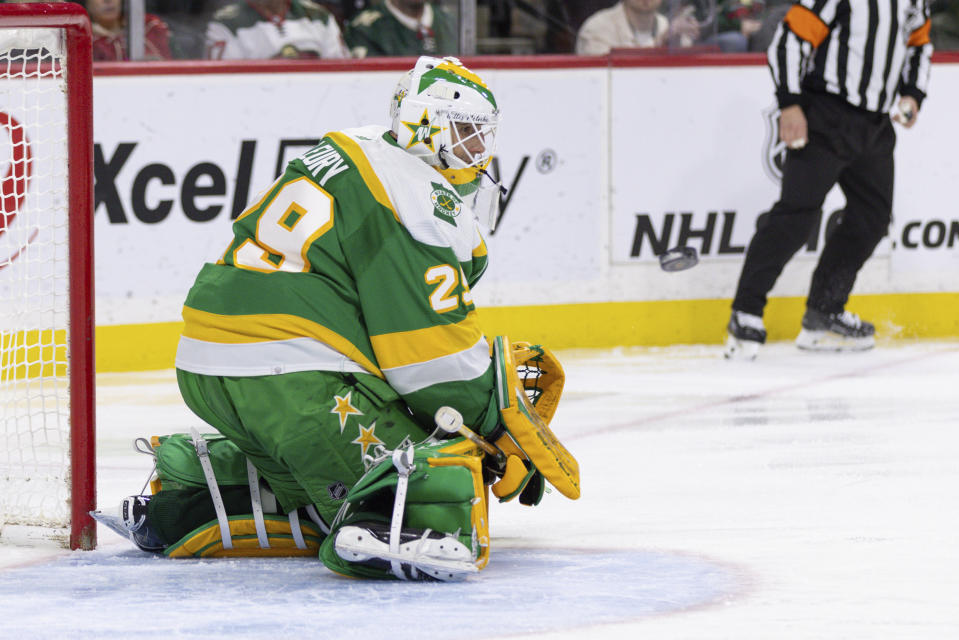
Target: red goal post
(47, 405)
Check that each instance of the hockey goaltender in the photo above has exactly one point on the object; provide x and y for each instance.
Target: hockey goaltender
(324, 346)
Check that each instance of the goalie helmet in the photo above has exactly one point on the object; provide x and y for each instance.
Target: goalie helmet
(444, 114)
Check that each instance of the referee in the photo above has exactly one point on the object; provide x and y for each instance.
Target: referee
(840, 67)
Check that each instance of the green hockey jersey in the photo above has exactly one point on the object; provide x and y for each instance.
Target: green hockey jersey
(383, 31)
(359, 258)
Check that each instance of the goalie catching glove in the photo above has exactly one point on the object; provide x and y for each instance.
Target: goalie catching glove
(529, 384)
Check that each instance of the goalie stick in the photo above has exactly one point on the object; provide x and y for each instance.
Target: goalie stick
(451, 421)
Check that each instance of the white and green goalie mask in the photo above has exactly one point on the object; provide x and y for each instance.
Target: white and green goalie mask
(444, 114)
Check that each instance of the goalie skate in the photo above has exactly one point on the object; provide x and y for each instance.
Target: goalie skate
(421, 555)
(130, 521)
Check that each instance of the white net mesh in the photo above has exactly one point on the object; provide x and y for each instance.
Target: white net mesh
(34, 301)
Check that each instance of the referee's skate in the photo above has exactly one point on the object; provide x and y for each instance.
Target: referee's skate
(843, 331)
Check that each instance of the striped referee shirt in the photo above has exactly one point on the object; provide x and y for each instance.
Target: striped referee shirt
(865, 51)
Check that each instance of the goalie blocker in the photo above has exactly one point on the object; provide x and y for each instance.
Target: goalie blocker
(420, 512)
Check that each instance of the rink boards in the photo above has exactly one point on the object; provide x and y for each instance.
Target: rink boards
(609, 162)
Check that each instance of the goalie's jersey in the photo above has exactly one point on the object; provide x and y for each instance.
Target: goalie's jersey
(359, 258)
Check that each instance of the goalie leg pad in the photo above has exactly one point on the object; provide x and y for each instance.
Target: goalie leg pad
(286, 535)
(208, 501)
(178, 466)
(444, 495)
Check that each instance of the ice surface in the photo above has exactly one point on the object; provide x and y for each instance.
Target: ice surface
(797, 496)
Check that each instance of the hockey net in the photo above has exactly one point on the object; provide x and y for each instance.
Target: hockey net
(46, 311)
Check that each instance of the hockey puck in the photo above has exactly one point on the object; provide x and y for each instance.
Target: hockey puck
(678, 259)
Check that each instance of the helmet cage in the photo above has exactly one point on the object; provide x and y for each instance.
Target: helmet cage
(472, 138)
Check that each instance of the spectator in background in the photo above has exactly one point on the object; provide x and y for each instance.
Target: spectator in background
(264, 29)
(108, 24)
(738, 21)
(344, 10)
(402, 28)
(635, 24)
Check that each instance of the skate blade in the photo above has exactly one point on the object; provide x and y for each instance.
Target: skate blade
(827, 341)
(737, 349)
(112, 522)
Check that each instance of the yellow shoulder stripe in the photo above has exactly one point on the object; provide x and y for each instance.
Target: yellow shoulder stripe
(362, 164)
(267, 327)
(421, 345)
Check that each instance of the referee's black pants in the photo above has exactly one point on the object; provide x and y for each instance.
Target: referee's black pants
(845, 145)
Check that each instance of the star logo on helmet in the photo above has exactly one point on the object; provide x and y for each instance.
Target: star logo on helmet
(422, 132)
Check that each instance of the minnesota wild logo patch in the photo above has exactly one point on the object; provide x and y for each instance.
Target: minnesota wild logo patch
(446, 204)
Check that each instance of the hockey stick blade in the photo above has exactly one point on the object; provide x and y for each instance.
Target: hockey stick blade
(678, 259)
